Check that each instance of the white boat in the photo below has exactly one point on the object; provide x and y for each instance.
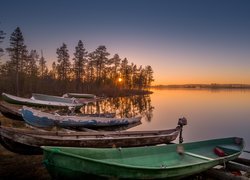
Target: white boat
(40, 103)
(79, 95)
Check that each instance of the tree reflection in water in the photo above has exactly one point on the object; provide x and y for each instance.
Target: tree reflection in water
(122, 106)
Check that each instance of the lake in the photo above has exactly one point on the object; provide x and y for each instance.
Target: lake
(210, 113)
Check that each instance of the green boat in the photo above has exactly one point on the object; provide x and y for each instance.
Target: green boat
(152, 162)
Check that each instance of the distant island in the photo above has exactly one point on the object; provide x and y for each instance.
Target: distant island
(205, 86)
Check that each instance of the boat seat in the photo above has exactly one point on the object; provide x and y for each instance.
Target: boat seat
(198, 156)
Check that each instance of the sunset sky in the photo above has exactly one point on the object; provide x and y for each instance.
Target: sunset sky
(188, 41)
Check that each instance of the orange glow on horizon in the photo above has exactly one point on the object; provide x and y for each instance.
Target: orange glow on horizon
(200, 80)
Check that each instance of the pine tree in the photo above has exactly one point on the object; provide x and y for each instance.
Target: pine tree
(63, 66)
(149, 76)
(42, 68)
(53, 71)
(1, 66)
(134, 74)
(90, 69)
(31, 71)
(100, 58)
(18, 55)
(126, 73)
(115, 65)
(2, 34)
(80, 61)
(31, 68)
(141, 78)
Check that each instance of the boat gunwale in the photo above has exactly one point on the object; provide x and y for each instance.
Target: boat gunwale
(58, 133)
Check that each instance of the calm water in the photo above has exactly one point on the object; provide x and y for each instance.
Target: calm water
(210, 113)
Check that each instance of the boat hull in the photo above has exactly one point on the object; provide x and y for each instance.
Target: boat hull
(20, 148)
(139, 163)
(13, 112)
(39, 103)
(79, 95)
(58, 172)
(22, 139)
(41, 119)
(10, 111)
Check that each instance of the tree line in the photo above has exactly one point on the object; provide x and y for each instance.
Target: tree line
(26, 71)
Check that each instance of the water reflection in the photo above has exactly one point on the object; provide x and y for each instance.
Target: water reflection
(123, 107)
(210, 113)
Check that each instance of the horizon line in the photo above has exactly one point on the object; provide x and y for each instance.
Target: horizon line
(207, 84)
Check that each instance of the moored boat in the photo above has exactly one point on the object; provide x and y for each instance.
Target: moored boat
(11, 111)
(167, 161)
(45, 97)
(38, 118)
(27, 141)
(33, 102)
(79, 95)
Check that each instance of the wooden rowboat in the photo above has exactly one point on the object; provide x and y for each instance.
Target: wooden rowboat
(11, 111)
(33, 102)
(168, 161)
(27, 141)
(38, 118)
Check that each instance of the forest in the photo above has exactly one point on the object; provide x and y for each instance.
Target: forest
(27, 71)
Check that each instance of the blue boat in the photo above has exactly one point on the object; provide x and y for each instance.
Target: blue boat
(38, 118)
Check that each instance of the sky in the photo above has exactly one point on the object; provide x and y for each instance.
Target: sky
(185, 41)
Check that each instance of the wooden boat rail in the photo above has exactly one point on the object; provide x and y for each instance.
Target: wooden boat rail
(101, 133)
